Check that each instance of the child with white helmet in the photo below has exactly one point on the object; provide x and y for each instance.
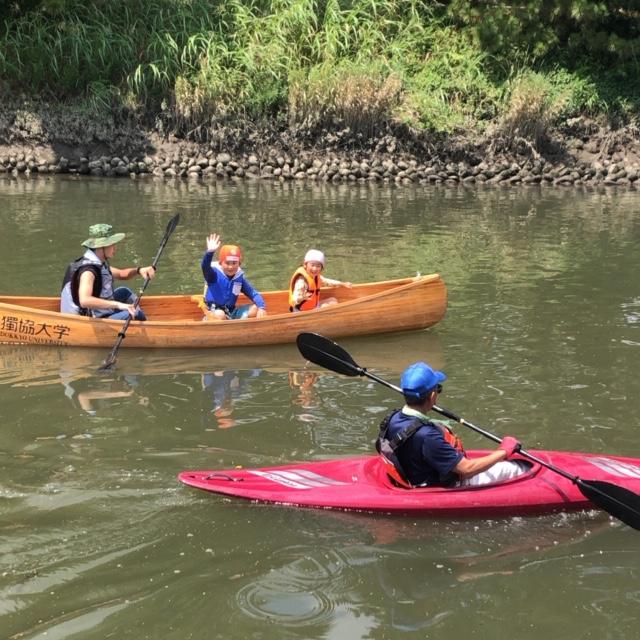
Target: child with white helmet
(305, 284)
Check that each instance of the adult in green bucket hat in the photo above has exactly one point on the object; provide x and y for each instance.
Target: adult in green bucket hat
(87, 287)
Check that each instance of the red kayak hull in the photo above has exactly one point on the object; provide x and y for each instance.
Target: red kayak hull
(362, 484)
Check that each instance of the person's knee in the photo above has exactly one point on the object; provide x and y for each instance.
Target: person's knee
(215, 315)
(124, 294)
(118, 315)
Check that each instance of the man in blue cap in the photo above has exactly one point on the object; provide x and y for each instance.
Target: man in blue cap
(428, 453)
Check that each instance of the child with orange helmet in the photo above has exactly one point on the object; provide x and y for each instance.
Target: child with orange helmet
(305, 283)
(225, 282)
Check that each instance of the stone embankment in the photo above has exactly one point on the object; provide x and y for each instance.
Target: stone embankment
(330, 167)
(40, 139)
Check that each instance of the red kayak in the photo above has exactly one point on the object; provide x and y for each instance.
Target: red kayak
(362, 484)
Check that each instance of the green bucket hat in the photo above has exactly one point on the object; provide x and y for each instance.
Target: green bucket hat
(100, 235)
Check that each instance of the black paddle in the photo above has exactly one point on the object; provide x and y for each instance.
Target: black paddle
(618, 501)
(110, 361)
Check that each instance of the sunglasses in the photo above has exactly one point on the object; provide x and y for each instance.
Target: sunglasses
(438, 388)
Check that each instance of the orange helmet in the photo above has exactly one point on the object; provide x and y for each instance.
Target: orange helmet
(230, 252)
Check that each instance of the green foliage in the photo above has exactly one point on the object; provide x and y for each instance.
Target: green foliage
(574, 93)
(604, 32)
(357, 63)
(449, 87)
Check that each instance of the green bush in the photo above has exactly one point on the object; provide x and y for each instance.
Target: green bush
(356, 63)
(449, 88)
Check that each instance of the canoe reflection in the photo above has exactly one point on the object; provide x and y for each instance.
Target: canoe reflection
(29, 366)
(90, 394)
(303, 385)
(222, 389)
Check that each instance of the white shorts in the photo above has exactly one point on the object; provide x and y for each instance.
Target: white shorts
(499, 472)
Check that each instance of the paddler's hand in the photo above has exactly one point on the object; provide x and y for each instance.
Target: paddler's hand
(346, 284)
(148, 273)
(510, 446)
(213, 242)
(131, 308)
(261, 313)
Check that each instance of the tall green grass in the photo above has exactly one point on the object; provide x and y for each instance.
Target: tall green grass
(348, 63)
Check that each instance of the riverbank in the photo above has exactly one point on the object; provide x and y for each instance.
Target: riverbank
(44, 140)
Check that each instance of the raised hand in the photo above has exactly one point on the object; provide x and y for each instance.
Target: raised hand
(213, 242)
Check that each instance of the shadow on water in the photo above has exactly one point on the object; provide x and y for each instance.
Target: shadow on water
(306, 573)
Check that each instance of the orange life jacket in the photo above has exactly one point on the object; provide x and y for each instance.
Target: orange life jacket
(313, 285)
(450, 437)
(393, 472)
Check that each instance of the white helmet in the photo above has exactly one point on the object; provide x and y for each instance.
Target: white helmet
(313, 255)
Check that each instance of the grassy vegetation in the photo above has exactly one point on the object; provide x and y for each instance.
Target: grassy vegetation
(311, 63)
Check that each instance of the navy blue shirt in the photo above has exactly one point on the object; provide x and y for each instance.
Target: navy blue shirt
(426, 458)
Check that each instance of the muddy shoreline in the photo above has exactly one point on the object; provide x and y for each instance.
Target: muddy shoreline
(42, 140)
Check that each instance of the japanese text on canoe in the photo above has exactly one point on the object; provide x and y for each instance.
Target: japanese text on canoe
(25, 330)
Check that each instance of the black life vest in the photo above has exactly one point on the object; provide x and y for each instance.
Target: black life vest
(72, 277)
(387, 447)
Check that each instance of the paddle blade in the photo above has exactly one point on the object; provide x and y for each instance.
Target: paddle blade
(618, 501)
(173, 223)
(107, 364)
(327, 354)
(111, 358)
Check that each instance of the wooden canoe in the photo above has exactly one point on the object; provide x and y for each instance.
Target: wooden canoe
(176, 320)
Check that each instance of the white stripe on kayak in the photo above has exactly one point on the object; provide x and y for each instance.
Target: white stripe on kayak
(616, 468)
(297, 478)
(318, 478)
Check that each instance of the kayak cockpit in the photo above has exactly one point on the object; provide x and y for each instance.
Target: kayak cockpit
(381, 472)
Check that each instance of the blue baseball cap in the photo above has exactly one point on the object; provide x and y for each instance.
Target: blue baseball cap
(419, 378)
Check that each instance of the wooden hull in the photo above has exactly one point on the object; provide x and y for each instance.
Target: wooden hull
(175, 321)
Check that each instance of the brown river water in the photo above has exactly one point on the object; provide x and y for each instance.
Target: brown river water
(541, 341)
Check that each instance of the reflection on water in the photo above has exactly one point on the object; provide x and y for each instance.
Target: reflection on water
(305, 394)
(411, 575)
(222, 389)
(90, 398)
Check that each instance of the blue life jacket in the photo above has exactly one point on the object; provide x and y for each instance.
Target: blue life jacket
(223, 291)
